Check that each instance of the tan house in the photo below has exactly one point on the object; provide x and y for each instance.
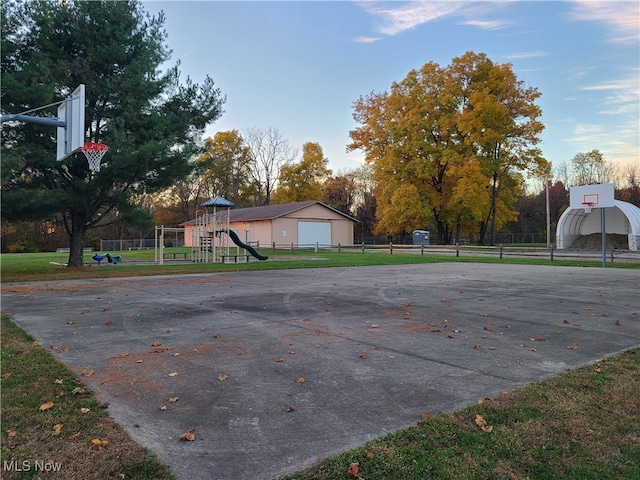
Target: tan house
(303, 224)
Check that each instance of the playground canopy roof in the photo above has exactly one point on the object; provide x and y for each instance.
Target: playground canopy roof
(217, 201)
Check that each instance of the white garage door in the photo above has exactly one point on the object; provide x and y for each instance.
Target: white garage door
(311, 232)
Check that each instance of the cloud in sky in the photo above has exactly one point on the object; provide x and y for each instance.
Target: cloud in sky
(487, 24)
(622, 16)
(367, 39)
(397, 17)
(520, 55)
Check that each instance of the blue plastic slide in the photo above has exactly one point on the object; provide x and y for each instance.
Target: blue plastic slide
(248, 248)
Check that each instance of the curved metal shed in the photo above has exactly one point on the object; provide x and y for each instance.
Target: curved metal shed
(622, 218)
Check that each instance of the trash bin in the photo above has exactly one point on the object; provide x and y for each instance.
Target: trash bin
(420, 237)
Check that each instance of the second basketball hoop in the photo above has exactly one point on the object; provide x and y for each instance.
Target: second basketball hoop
(94, 153)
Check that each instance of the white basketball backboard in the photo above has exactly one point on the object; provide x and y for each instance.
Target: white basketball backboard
(71, 137)
(592, 196)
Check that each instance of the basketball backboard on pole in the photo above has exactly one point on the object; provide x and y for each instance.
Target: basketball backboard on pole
(592, 196)
(71, 111)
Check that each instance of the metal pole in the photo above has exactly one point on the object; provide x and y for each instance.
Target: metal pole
(546, 183)
(604, 238)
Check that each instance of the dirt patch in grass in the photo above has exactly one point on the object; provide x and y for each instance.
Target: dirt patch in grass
(53, 426)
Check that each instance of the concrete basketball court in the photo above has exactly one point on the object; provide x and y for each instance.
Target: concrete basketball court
(376, 347)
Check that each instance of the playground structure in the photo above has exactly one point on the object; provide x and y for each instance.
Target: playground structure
(210, 236)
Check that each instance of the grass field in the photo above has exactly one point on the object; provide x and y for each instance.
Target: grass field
(583, 424)
(19, 267)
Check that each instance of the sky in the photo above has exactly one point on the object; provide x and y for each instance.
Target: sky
(298, 66)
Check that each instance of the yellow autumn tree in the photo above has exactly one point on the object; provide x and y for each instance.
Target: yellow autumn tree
(303, 181)
(468, 129)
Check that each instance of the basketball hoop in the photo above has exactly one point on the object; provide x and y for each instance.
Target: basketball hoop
(94, 153)
(587, 206)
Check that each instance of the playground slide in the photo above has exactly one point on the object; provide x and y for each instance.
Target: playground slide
(248, 248)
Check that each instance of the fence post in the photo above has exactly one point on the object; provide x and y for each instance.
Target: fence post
(551, 249)
(390, 248)
(457, 249)
(291, 247)
(362, 247)
(339, 247)
(500, 251)
(612, 254)
(273, 248)
(422, 249)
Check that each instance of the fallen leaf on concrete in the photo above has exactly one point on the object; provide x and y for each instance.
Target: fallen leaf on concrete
(63, 349)
(163, 407)
(156, 344)
(279, 359)
(617, 324)
(573, 346)
(189, 435)
(364, 356)
(87, 373)
(300, 380)
(173, 374)
(222, 377)
(173, 399)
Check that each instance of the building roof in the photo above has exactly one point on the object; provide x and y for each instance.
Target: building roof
(270, 212)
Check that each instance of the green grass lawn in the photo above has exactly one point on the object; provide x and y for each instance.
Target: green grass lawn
(18, 267)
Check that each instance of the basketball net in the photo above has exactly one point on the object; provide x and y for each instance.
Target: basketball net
(587, 206)
(94, 153)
